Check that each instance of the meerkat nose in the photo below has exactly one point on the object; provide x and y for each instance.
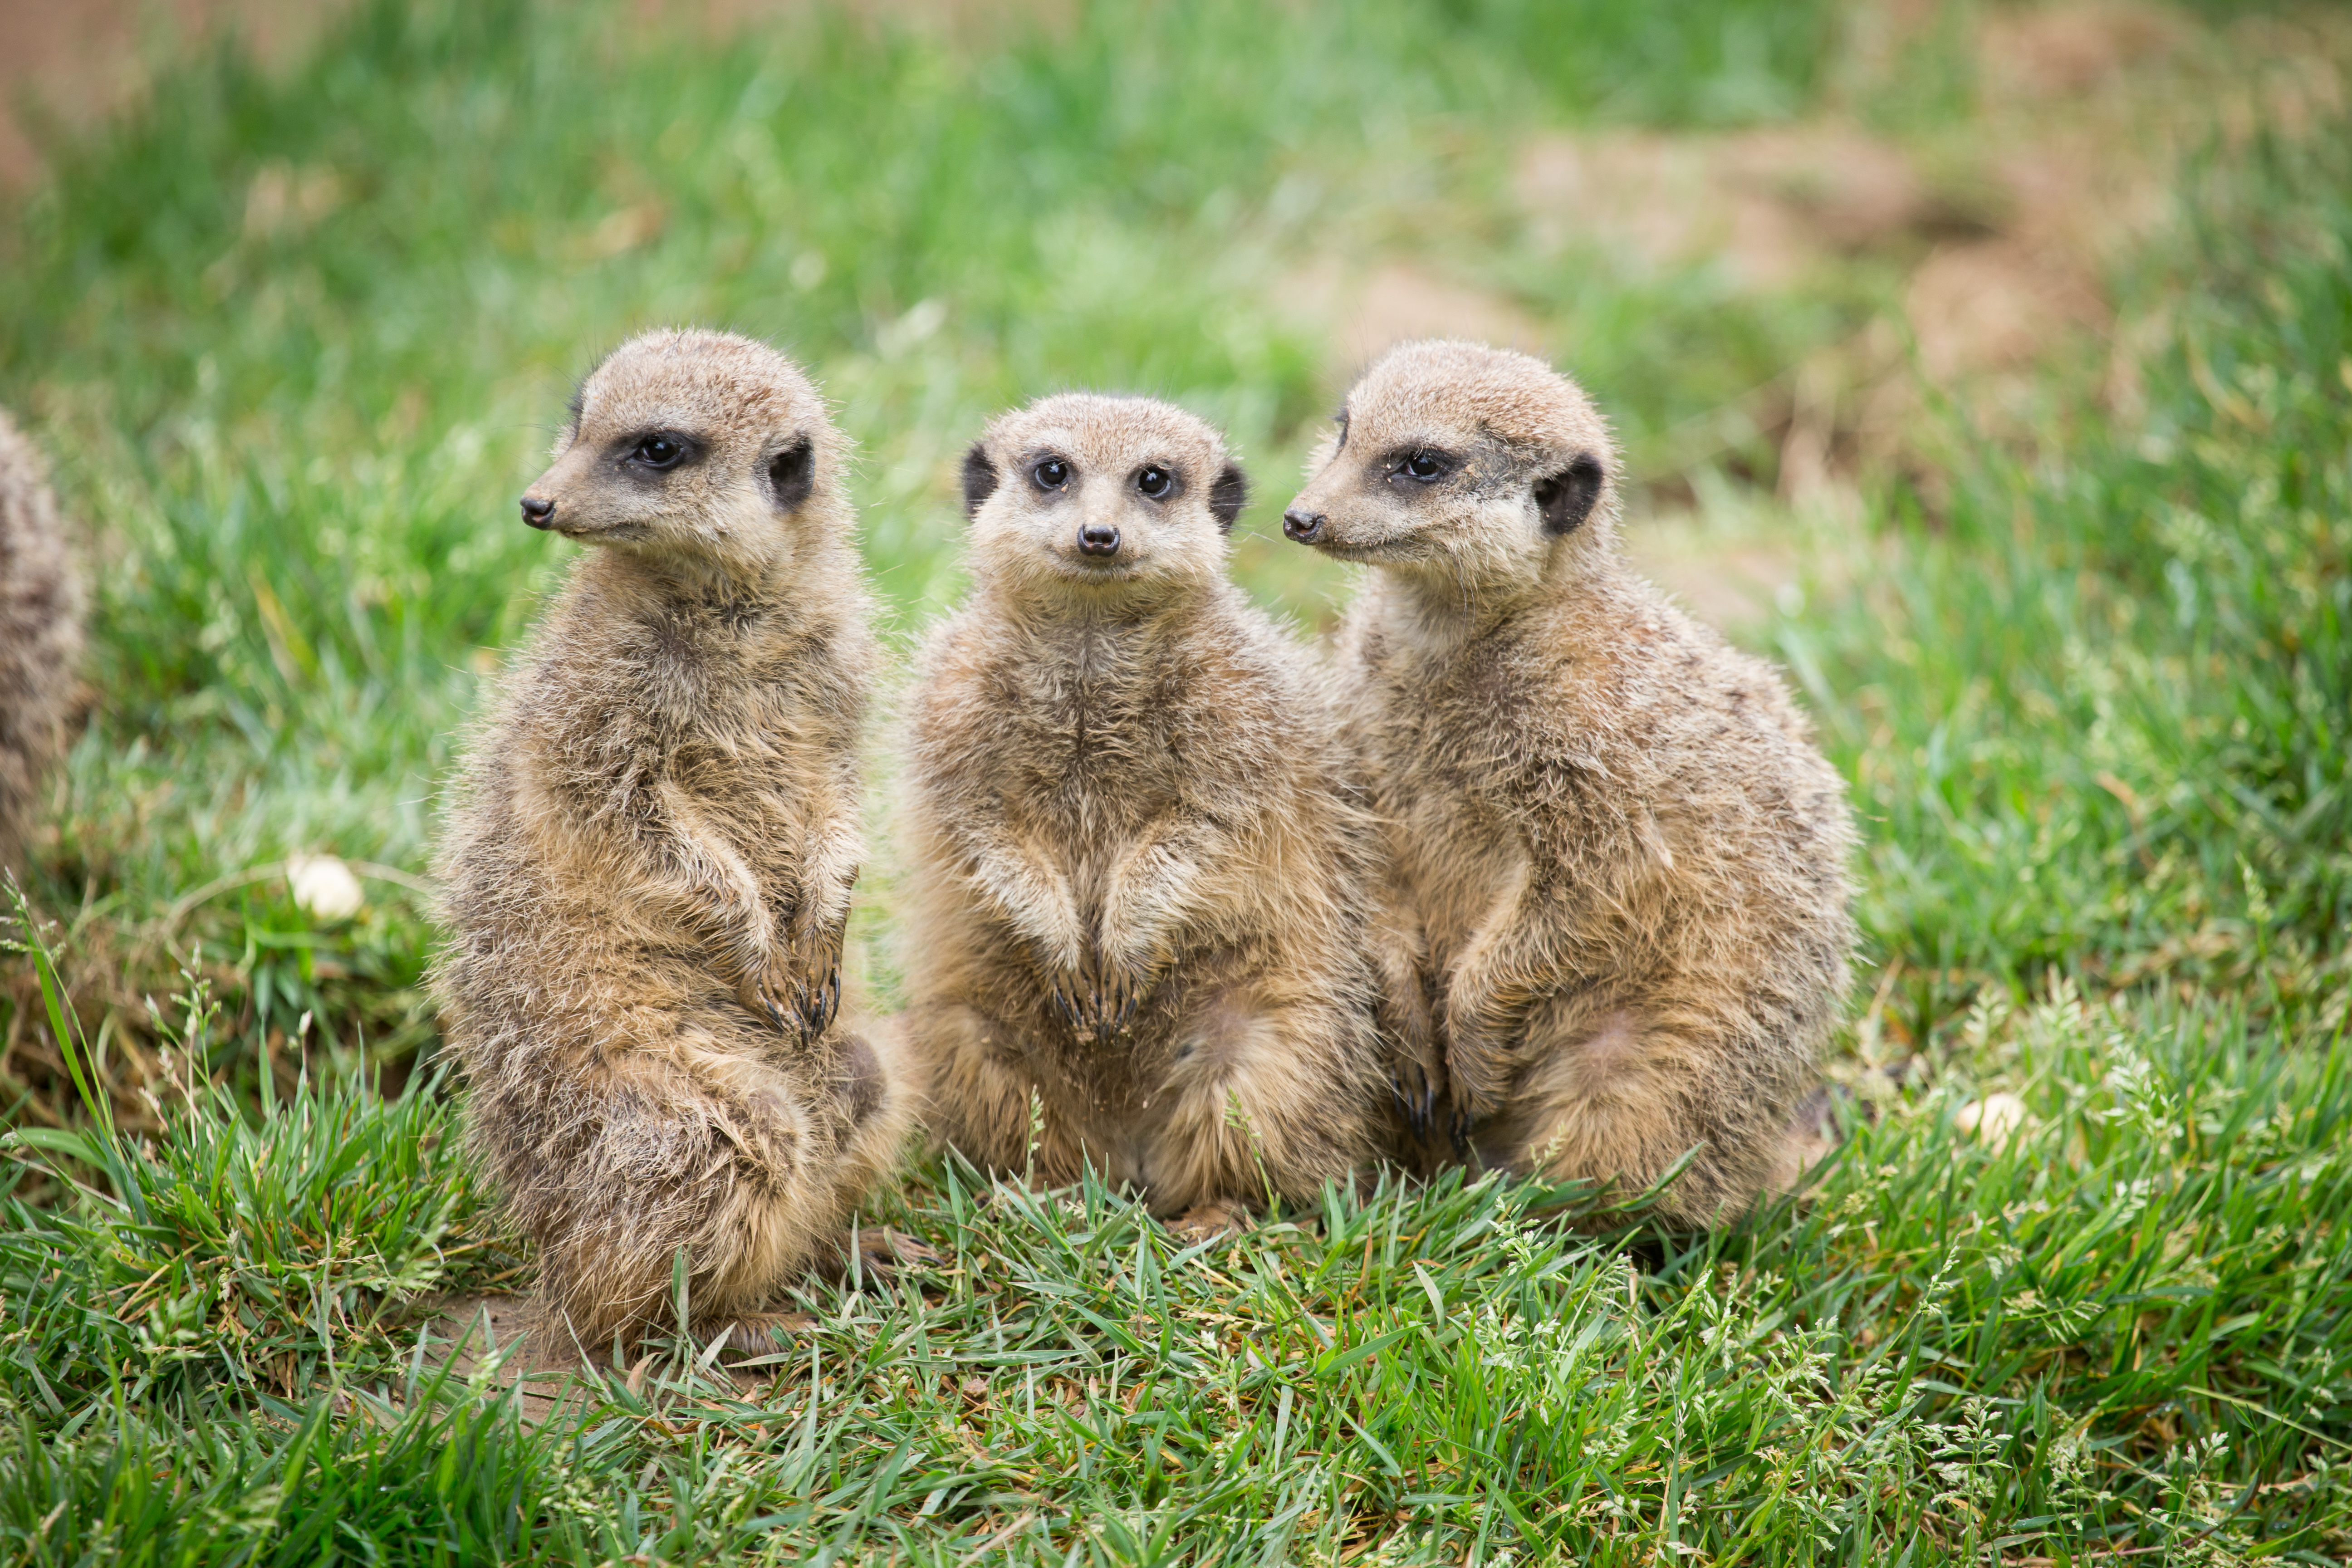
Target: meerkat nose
(1099, 539)
(1306, 527)
(536, 512)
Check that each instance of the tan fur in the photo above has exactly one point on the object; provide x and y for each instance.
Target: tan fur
(40, 638)
(1615, 918)
(649, 861)
(1136, 871)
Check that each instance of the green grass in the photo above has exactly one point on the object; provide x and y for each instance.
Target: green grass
(297, 341)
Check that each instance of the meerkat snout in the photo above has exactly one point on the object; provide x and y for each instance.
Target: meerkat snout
(1099, 539)
(1302, 526)
(537, 512)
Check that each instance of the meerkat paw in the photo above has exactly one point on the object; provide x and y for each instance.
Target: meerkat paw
(882, 1254)
(1208, 1221)
(766, 993)
(1099, 998)
(765, 1333)
(815, 961)
(886, 1251)
(1475, 1063)
(1417, 1080)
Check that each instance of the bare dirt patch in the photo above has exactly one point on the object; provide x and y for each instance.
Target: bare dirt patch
(1768, 204)
(77, 63)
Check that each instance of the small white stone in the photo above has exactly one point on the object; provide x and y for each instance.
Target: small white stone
(324, 888)
(1995, 1119)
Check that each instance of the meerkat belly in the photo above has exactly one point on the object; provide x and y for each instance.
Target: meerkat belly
(1221, 1045)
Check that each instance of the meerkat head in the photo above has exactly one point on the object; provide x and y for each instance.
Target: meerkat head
(1100, 496)
(1468, 464)
(695, 449)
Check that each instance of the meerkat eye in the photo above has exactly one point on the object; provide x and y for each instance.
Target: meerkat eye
(1425, 467)
(1052, 474)
(658, 451)
(1153, 481)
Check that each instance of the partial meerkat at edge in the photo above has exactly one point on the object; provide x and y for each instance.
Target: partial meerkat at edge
(41, 604)
(648, 862)
(1135, 870)
(1614, 915)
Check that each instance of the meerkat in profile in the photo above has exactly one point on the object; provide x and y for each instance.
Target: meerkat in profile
(40, 638)
(1614, 923)
(1132, 941)
(649, 867)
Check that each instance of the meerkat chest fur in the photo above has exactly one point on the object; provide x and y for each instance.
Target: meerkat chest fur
(1500, 751)
(644, 696)
(1095, 731)
(1112, 701)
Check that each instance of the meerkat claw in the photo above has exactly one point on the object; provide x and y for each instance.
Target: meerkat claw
(1407, 1107)
(761, 1003)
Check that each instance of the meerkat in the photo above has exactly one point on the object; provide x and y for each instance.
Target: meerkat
(40, 638)
(1614, 921)
(1132, 943)
(648, 865)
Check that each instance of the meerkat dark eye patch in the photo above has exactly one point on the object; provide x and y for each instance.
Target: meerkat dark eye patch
(1424, 465)
(979, 479)
(658, 451)
(1341, 419)
(1228, 496)
(792, 474)
(1566, 499)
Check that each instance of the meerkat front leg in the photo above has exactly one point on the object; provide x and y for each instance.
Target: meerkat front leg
(1146, 896)
(818, 924)
(1416, 1058)
(1506, 967)
(712, 876)
(1032, 896)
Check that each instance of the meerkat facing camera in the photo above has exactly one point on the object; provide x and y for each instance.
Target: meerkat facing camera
(40, 638)
(1616, 890)
(648, 865)
(1136, 867)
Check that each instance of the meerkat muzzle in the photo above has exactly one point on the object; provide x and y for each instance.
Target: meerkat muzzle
(536, 512)
(1099, 539)
(1306, 527)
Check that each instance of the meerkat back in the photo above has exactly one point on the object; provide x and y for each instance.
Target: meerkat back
(1135, 877)
(1614, 926)
(649, 861)
(40, 638)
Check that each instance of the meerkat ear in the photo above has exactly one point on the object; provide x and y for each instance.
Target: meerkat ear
(1566, 499)
(979, 478)
(1228, 496)
(792, 474)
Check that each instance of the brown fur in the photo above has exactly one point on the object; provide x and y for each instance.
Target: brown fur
(40, 638)
(1136, 870)
(649, 861)
(1616, 921)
